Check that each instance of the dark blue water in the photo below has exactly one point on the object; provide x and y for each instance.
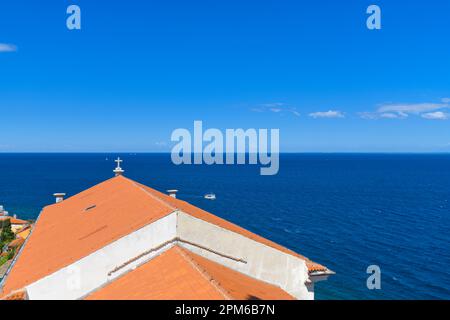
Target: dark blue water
(347, 211)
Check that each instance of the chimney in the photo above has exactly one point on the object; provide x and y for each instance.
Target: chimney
(172, 193)
(59, 197)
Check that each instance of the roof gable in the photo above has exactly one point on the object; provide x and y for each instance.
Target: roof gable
(178, 274)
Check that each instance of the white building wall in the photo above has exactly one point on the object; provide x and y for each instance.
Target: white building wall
(263, 262)
(91, 272)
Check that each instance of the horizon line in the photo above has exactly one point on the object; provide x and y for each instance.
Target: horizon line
(168, 152)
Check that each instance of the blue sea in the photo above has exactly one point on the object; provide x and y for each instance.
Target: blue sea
(346, 211)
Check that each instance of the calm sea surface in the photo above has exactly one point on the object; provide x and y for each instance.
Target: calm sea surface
(346, 211)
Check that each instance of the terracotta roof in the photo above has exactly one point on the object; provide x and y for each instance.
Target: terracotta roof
(16, 242)
(24, 228)
(101, 214)
(14, 220)
(238, 285)
(315, 267)
(179, 274)
(16, 295)
(24, 232)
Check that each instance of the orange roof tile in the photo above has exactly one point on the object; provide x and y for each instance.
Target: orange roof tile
(236, 284)
(315, 267)
(16, 295)
(24, 232)
(16, 242)
(179, 274)
(14, 220)
(101, 214)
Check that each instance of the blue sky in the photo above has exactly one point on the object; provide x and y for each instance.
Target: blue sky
(137, 70)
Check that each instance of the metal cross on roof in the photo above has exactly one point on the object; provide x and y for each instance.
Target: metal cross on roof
(118, 170)
(118, 162)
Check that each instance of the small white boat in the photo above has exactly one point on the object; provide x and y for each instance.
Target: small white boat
(210, 196)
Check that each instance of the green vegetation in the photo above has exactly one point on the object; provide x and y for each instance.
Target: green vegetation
(3, 260)
(6, 235)
(11, 254)
(7, 256)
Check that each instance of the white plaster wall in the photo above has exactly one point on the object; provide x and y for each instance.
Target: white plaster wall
(91, 272)
(263, 262)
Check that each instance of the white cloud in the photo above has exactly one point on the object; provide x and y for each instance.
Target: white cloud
(403, 110)
(438, 115)
(276, 107)
(368, 115)
(327, 114)
(412, 108)
(5, 47)
(389, 115)
(273, 104)
(385, 115)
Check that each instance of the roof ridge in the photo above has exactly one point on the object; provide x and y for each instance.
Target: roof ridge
(205, 274)
(78, 194)
(159, 199)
